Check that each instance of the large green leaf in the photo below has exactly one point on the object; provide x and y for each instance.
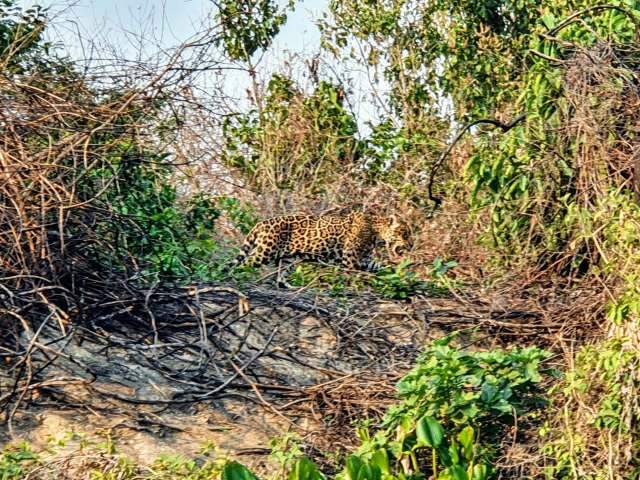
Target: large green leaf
(465, 437)
(236, 471)
(457, 472)
(429, 432)
(305, 469)
(480, 472)
(380, 459)
(353, 466)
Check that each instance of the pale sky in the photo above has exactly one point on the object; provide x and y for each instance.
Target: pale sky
(171, 21)
(121, 24)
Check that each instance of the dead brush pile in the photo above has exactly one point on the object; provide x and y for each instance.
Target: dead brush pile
(61, 141)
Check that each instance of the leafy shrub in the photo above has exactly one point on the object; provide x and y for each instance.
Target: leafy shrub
(399, 282)
(294, 141)
(236, 471)
(441, 267)
(454, 408)
(154, 231)
(242, 215)
(15, 461)
(456, 404)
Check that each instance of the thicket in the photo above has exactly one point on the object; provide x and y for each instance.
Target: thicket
(88, 207)
(552, 192)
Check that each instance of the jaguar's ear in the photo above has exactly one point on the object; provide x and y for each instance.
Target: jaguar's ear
(395, 221)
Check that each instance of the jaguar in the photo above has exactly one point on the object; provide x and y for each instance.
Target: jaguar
(349, 239)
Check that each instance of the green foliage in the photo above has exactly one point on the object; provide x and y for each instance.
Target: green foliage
(236, 471)
(154, 230)
(469, 388)
(15, 461)
(399, 155)
(450, 401)
(242, 215)
(471, 51)
(454, 408)
(156, 233)
(304, 469)
(527, 177)
(295, 141)
(286, 451)
(441, 267)
(396, 283)
(21, 42)
(559, 197)
(249, 25)
(169, 467)
(330, 278)
(399, 282)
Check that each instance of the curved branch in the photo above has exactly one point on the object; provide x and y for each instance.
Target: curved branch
(505, 127)
(596, 8)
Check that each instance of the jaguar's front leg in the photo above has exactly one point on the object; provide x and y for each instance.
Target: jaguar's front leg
(280, 280)
(369, 264)
(351, 260)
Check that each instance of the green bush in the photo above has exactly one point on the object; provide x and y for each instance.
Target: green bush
(399, 282)
(153, 231)
(317, 127)
(16, 461)
(455, 406)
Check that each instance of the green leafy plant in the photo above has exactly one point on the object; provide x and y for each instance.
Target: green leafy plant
(286, 451)
(332, 278)
(241, 214)
(304, 469)
(456, 405)
(316, 126)
(162, 235)
(400, 282)
(15, 461)
(440, 267)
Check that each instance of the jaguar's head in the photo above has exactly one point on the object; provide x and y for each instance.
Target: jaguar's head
(395, 234)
